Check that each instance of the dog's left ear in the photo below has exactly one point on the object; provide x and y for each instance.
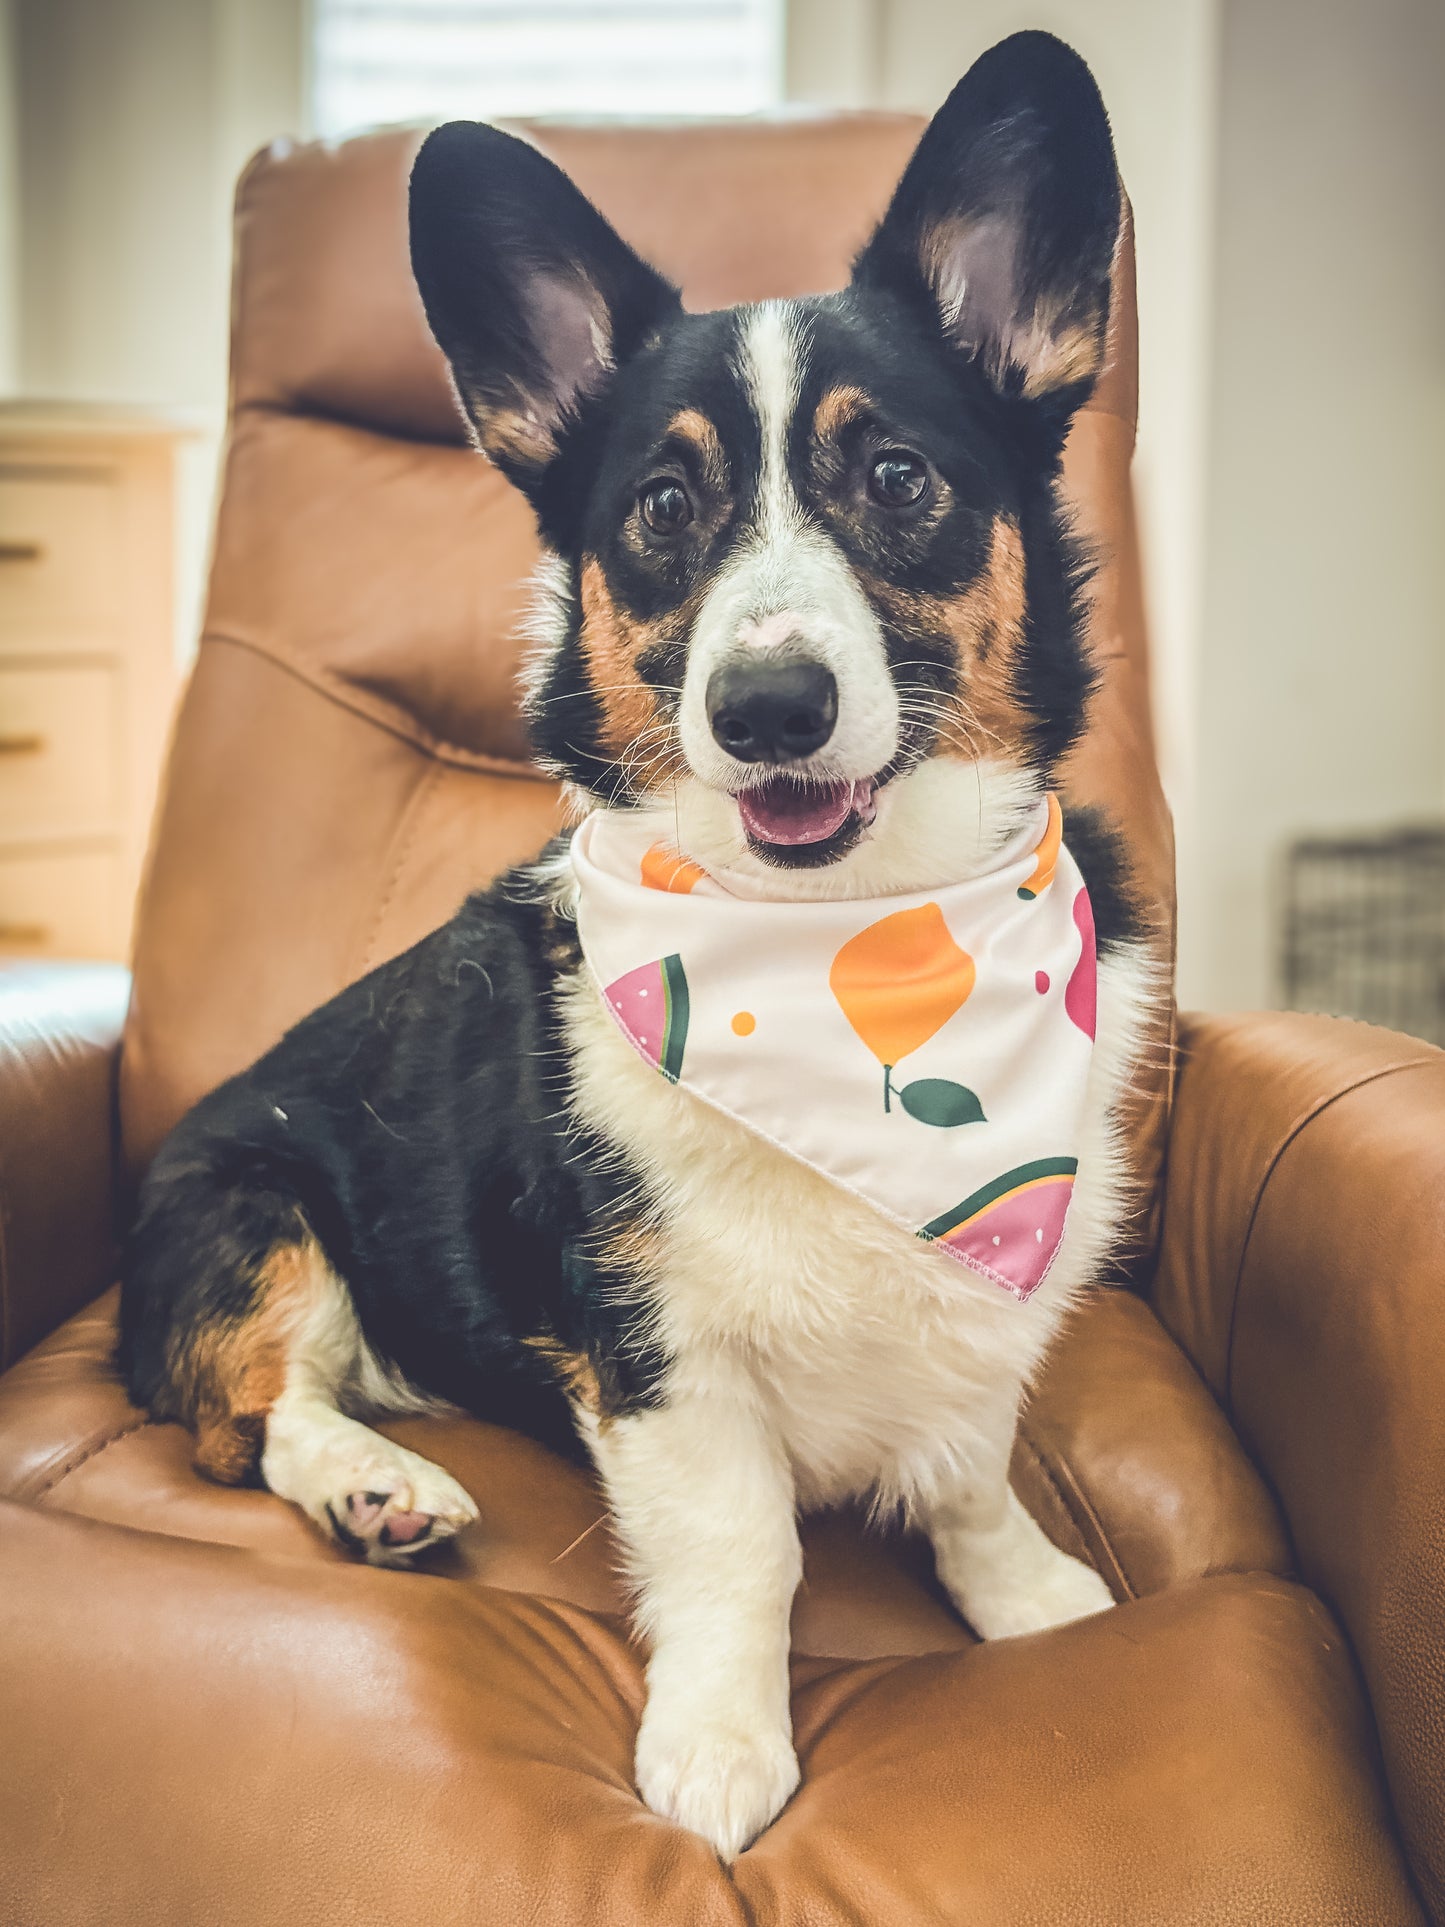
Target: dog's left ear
(534, 298)
(1006, 219)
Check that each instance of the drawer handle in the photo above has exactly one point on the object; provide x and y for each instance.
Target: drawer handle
(24, 933)
(21, 551)
(26, 745)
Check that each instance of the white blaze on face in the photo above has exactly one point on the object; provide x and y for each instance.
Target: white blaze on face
(788, 586)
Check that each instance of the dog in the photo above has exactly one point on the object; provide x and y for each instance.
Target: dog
(810, 621)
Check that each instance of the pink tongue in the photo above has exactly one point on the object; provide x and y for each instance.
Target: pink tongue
(783, 812)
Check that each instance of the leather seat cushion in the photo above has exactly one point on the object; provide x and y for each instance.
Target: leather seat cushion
(378, 1747)
(1123, 1456)
(1208, 1741)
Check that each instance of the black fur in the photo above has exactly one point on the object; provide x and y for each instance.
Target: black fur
(415, 1126)
(1113, 894)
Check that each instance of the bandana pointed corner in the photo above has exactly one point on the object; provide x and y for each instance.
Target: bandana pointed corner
(1013, 1226)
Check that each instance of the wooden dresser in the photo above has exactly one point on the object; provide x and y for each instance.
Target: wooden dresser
(91, 600)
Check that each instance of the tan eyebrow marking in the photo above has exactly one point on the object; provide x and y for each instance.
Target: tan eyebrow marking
(837, 409)
(690, 425)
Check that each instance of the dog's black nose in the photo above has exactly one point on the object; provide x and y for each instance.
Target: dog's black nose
(771, 709)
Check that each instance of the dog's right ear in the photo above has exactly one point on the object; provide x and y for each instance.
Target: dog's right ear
(1005, 222)
(533, 297)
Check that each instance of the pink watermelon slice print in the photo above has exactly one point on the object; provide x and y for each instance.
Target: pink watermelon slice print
(650, 1003)
(1012, 1227)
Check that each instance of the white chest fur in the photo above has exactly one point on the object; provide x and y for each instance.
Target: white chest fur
(876, 1358)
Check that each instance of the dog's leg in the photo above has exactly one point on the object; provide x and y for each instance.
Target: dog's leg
(376, 1497)
(703, 1498)
(1002, 1571)
(240, 1329)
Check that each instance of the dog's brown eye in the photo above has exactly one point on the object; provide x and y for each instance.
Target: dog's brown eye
(664, 507)
(898, 481)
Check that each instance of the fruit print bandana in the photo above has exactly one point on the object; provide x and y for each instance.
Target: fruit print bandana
(928, 1052)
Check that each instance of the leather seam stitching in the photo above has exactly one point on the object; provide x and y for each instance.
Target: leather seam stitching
(1301, 1124)
(334, 690)
(1081, 1505)
(410, 825)
(91, 1450)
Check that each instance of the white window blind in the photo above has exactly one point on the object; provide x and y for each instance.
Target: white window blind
(377, 61)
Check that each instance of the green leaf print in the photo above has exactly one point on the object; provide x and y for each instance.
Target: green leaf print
(934, 1100)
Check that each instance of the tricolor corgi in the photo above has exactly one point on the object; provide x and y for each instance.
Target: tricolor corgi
(757, 1139)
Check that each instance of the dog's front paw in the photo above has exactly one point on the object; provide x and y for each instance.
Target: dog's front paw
(1013, 1579)
(1000, 1605)
(718, 1776)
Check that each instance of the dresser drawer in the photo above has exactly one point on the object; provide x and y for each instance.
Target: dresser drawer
(57, 752)
(61, 570)
(62, 905)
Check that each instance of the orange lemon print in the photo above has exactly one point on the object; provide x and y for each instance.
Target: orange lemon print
(897, 982)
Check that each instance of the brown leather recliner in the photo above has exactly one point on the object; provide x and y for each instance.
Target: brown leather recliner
(209, 1716)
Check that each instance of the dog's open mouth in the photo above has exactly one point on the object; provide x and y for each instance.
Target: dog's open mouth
(789, 819)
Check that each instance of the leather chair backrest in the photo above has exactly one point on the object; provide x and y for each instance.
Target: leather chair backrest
(348, 759)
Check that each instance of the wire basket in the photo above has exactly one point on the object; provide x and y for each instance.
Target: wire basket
(1364, 931)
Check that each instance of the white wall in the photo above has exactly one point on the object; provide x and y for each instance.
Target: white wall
(9, 207)
(1322, 695)
(135, 117)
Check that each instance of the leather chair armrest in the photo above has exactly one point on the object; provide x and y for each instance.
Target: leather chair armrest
(1303, 1269)
(60, 1030)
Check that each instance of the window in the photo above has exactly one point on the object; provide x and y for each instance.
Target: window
(378, 61)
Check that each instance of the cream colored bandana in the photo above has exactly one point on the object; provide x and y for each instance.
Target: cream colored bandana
(927, 1052)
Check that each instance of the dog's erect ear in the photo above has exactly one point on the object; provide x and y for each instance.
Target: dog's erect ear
(1006, 220)
(532, 296)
